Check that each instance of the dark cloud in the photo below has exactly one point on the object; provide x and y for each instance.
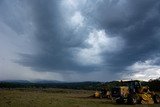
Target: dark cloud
(137, 22)
(53, 39)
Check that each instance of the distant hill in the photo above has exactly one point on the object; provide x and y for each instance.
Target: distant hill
(49, 84)
(46, 81)
(32, 81)
(87, 85)
(15, 81)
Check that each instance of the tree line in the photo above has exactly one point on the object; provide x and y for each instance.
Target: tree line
(153, 84)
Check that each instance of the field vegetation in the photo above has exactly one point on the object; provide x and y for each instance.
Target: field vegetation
(52, 97)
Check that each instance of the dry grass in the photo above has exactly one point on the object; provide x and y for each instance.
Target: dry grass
(55, 98)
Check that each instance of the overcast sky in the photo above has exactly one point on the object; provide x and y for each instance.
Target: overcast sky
(79, 40)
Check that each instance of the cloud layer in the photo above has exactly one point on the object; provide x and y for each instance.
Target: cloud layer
(76, 37)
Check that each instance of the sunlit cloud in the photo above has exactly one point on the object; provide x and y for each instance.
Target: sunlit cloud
(97, 43)
(77, 19)
(144, 70)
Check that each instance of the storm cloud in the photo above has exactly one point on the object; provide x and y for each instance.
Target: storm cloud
(111, 39)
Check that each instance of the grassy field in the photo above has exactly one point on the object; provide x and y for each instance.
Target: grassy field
(55, 98)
